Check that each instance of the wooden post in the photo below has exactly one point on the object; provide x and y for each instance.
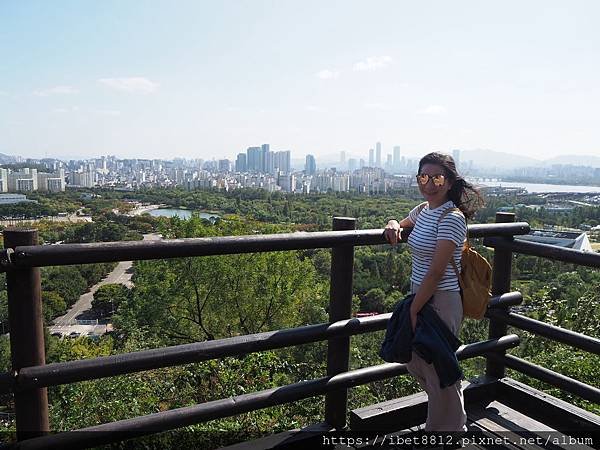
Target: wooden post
(501, 277)
(25, 318)
(340, 307)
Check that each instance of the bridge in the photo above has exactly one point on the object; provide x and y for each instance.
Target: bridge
(495, 403)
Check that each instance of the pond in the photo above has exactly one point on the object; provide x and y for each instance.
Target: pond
(181, 213)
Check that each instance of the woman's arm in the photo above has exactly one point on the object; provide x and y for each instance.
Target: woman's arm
(443, 253)
(393, 228)
(406, 222)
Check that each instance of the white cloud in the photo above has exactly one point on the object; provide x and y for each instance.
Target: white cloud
(433, 110)
(312, 108)
(373, 63)
(3, 93)
(233, 108)
(130, 84)
(56, 90)
(327, 74)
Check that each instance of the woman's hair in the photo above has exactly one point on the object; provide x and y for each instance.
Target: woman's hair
(462, 193)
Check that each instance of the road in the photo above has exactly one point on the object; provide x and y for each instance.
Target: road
(120, 275)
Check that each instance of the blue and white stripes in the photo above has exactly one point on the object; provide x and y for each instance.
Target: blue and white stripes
(423, 239)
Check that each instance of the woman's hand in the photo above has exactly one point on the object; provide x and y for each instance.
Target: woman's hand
(392, 232)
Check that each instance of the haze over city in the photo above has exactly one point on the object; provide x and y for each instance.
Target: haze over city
(150, 79)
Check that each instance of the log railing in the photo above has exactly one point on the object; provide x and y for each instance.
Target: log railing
(30, 376)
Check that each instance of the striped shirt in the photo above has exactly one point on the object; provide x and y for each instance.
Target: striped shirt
(423, 239)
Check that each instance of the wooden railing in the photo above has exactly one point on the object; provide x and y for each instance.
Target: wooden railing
(30, 376)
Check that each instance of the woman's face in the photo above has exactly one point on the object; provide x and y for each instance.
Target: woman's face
(436, 188)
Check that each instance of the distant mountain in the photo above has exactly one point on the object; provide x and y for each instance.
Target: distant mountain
(498, 160)
(575, 160)
(7, 159)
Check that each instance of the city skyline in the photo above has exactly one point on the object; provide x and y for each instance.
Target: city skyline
(209, 78)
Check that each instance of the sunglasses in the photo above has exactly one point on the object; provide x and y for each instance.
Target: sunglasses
(437, 180)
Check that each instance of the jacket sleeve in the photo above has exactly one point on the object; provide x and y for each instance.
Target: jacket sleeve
(396, 346)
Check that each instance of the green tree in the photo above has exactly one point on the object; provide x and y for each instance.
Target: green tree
(373, 300)
(53, 305)
(108, 298)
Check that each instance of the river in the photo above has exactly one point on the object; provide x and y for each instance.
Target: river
(542, 188)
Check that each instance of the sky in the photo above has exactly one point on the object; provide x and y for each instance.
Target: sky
(207, 79)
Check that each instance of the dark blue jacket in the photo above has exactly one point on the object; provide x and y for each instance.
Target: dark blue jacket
(432, 341)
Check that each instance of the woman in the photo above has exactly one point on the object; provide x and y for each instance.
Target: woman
(437, 237)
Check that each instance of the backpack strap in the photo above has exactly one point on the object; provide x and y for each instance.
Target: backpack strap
(449, 210)
(444, 214)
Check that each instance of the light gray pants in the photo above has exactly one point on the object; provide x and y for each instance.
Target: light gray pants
(445, 407)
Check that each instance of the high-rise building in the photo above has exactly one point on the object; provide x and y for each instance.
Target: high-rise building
(456, 156)
(282, 162)
(285, 160)
(378, 154)
(241, 163)
(254, 159)
(352, 164)
(23, 180)
(83, 178)
(266, 164)
(343, 159)
(371, 157)
(310, 168)
(396, 161)
(287, 182)
(52, 182)
(3, 180)
(224, 165)
(269, 162)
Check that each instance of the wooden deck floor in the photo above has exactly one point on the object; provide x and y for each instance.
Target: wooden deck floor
(498, 423)
(492, 427)
(492, 424)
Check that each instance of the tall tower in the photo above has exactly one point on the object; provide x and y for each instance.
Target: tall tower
(378, 154)
(396, 160)
(281, 162)
(266, 159)
(456, 156)
(371, 157)
(311, 166)
(254, 159)
(241, 163)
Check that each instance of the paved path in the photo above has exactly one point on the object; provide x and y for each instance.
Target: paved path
(120, 275)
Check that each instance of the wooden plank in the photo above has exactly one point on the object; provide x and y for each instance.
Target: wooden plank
(410, 438)
(308, 437)
(521, 431)
(556, 413)
(409, 411)
(508, 424)
(480, 437)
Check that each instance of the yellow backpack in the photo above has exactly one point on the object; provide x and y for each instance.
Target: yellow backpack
(475, 279)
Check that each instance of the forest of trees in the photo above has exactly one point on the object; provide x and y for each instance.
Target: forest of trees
(195, 299)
